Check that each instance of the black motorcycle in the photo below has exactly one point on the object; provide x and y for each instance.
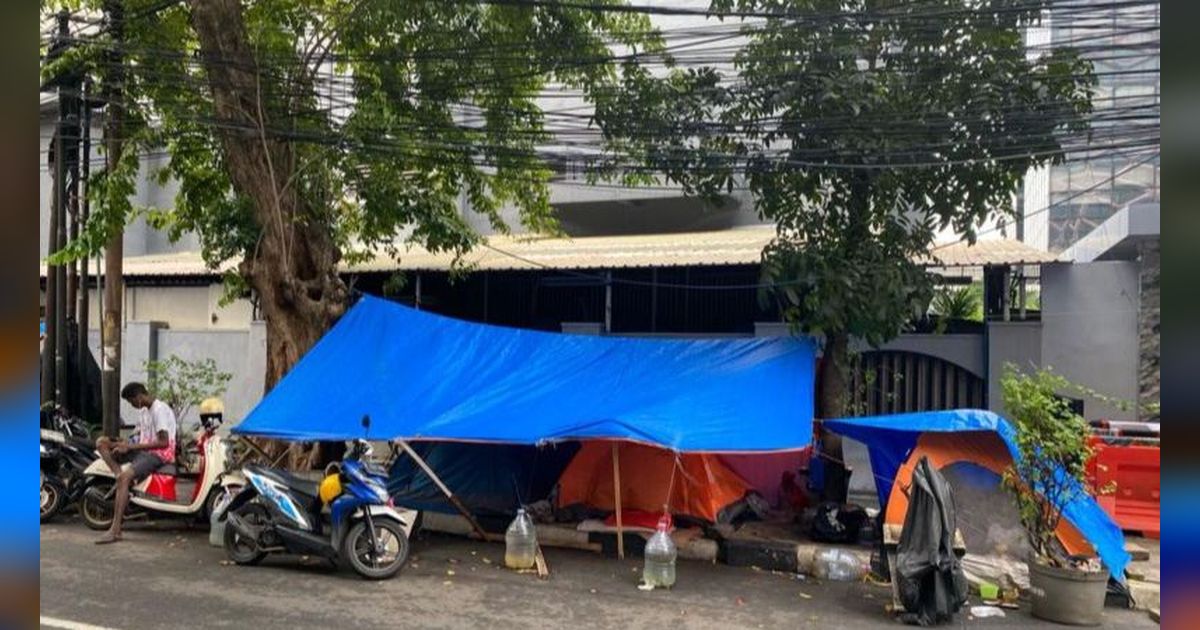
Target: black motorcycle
(66, 451)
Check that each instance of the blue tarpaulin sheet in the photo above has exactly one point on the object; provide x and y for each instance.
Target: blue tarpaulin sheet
(421, 376)
(890, 439)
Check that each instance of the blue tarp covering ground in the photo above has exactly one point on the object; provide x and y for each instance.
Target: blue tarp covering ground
(426, 377)
(890, 439)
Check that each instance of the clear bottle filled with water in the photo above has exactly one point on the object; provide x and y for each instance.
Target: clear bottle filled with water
(660, 554)
(839, 565)
(520, 542)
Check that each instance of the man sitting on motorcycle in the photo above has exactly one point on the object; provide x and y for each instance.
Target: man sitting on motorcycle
(154, 447)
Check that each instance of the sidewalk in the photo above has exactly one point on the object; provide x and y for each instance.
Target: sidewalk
(778, 547)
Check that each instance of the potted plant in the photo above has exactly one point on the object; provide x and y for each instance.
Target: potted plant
(1050, 472)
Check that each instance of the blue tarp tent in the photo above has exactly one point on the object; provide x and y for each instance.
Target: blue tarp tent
(421, 376)
(490, 479)
(890, 439)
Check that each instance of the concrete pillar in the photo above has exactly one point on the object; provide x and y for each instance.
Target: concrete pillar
(1019, 343)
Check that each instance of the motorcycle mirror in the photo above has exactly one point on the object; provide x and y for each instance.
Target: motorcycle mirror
(366, 424)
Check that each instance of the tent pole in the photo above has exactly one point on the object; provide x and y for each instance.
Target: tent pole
(617, 500)
(454, 500)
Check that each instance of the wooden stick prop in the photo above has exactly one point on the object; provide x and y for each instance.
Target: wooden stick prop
(454, 500)
(543, 570)
(617, 499)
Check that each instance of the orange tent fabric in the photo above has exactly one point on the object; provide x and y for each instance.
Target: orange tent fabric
(982, 448)
(695, 484)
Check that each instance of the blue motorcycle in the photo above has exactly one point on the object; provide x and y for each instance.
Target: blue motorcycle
(278, 512)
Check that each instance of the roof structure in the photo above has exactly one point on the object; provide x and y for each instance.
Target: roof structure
(528, 252)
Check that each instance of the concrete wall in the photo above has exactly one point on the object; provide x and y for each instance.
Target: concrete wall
(1149, 339)
(242, 353)
(960, 349)
(1018, 343)
(189, 307)
(1090, 330)
(239, 352)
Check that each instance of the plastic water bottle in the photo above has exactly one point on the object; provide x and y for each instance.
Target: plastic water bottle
(839, 565)
(520, 542)
(660, 554)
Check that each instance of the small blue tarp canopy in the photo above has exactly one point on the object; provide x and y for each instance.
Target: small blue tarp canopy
(890, 439)
(421, 376)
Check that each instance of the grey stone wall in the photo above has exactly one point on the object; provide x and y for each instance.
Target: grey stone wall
(1016, 343)
(1148, 330)
(1090, 331)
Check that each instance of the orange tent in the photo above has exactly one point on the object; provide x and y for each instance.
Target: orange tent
(980, 448)
(695, 484)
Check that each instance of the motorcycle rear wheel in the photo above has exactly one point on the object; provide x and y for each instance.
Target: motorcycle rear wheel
(53, 498)
(97, 512)
(388, 534)
(239, 549)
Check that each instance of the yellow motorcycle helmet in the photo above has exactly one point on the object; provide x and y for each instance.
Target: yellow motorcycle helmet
(212, 412)
(331, 488)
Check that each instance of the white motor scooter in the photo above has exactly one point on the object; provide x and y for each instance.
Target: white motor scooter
(169, 491)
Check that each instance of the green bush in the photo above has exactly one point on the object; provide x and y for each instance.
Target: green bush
(965, 303)
(1052, 442)
(183, 384)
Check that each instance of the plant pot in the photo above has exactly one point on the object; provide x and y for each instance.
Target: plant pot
(1067, 596)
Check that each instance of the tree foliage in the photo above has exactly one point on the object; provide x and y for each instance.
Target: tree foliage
(963, 303)
(859, 137)
(388, 110)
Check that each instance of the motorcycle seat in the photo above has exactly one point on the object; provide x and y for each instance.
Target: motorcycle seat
(167, 469)
(300, 484)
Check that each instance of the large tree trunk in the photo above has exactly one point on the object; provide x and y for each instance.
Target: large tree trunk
(832, 398)
(294, 269)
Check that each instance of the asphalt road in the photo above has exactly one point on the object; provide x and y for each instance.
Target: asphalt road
(168, 577)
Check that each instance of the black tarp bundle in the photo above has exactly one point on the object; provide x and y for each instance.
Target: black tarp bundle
(89, 407)
(932, 584)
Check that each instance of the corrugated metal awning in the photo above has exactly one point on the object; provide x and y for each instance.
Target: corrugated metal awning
(526, 252)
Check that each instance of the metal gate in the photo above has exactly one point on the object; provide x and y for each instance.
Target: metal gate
(897, 381)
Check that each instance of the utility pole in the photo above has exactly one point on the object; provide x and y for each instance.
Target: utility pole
(82, 306)
(110, 355)
(50, 345)
(58, 226)
(60, 240)
(70, 101)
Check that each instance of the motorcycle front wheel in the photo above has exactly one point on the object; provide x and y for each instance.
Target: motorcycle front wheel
(388, 556)
(96, 507)
(54, 496)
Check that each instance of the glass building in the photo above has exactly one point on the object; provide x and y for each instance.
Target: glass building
(1119, 166)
